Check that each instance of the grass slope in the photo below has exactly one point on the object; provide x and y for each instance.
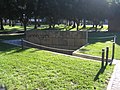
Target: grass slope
(96, 45)
(32, 69)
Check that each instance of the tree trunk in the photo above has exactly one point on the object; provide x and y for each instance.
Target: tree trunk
(21, 24)
(68, 22)
(24, 24)
(50, 26)
(13, 23)
(53, 25)
(77, 25)
(101, 26)
(1, 23)
(84, 23)
(25, 27)
(96, 27)
(35, 23)
(5, 21)
(29, 21)
(9, 22)
(38, 22)
(73, 25)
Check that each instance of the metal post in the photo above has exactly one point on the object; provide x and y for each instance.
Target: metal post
(107, 53)
(114, 38)
(103, 54)
(113, 53)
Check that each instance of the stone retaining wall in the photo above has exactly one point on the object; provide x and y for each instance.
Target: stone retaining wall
(71, 40)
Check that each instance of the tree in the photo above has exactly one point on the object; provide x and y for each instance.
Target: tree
(97, 11)
(2, 13)
(25, 10)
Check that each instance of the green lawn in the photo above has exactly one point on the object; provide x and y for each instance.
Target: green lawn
(32, 69)
(96, 45)
(16, 28)
(69, 28)
(57, 27)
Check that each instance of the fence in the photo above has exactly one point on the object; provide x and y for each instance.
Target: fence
(107, 54)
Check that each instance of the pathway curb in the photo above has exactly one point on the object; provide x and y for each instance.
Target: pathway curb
(114, 80)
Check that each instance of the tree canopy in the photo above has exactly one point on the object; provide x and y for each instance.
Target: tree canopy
(55, 10)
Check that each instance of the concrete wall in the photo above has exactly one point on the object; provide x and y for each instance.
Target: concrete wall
(58, 39)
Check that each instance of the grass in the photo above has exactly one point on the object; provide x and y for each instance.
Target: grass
(61, 27)
(32, 69)
(96, 45)
(16, 28)
(88, 27)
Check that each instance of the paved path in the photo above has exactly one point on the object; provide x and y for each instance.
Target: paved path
(114, 83)
(11, 34)
(16, 42)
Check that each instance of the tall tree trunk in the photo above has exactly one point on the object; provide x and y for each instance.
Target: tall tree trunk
(101, 26)
(1, 23)
(35, 27)
(74, 25)
(53, 25)
(13, 23)
(96, 27)
(30, 21)
(5, 21)
(21, 23)
(84, 23)
(68, 22)
(10, 22)
(38, 22)
(24, 24)
(25, 27)
(77, 25)
(50, 26)
(93, 23)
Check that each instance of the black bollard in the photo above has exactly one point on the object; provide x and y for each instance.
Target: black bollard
(113, 53)
(107, 54)
(103, 54)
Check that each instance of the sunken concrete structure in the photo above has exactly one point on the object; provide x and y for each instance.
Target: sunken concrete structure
(70, 40)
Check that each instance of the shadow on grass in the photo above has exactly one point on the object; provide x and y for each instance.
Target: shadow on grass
(82, 28)
(11, 37)
(71, 28)
(101, 71)
(56, 28)
(93, 37)
(84, 50)
(4, 48)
